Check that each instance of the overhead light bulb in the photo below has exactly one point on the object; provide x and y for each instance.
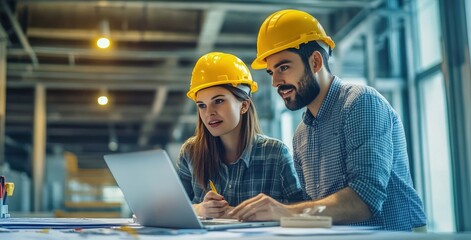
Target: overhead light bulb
(113, 146)
(104, 31)
(113, 143)
(103, 42)
(102, 100)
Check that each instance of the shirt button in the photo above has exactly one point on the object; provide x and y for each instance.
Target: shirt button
(317, 185)
(230, 185)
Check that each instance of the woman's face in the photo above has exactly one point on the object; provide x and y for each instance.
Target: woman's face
(219, 110)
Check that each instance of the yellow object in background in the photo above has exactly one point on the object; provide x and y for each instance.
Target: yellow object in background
(9, 188)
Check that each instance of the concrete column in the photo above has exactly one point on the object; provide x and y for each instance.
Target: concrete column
(370, 55)
(3, 82)
(394, 38)
(39, 145)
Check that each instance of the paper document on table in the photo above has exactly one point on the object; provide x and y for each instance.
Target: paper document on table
(63, 223)
(335, 230)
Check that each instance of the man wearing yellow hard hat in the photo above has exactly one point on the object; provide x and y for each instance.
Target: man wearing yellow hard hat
(228, 160)
(349, 149)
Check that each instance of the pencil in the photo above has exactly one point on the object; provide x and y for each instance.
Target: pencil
(213, 188)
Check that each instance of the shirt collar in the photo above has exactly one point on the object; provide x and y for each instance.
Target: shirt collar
(326, 106)
(245, 157)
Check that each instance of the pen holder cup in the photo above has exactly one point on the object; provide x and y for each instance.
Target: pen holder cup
(4, 211)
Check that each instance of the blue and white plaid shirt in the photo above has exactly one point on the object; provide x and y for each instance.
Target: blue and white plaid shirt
(357, 140)
(265, 167)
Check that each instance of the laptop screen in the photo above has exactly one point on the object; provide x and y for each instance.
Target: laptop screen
(153, 189)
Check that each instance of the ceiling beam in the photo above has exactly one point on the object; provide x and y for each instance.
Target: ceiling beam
(212, 24)
(128, 109)
(356, 27)
(189, 54)
(136, 36)
(71, 131)
(95, 84)
(314, 6)
(19, 33)
(81, 119)
(115, 35)
(174, 76)
(3, 35)
(24, 67)
(83, 107)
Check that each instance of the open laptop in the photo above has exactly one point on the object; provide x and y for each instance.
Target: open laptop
(155, 194)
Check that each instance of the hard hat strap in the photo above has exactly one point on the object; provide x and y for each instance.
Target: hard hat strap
(245, 88)
(326, 47)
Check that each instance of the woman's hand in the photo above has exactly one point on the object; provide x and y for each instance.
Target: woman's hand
(213, 206)
(260, 208)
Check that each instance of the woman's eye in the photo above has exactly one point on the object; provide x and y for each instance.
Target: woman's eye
(201, 106)
(217, 101)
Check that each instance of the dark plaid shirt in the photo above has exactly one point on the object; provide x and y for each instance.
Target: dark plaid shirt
(265, 167)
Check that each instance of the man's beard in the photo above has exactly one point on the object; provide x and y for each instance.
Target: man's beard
(306, 92)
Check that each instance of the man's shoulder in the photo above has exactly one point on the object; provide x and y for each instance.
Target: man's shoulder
(353, 90)
(351, 93)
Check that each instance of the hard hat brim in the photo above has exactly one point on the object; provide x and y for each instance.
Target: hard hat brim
(192, 93)
(261, 63)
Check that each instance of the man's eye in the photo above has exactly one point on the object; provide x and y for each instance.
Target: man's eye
(217, 101)
(270, 73)
(283, 68)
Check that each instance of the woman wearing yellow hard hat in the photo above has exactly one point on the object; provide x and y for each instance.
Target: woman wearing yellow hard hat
(228, 154)
(350, 145)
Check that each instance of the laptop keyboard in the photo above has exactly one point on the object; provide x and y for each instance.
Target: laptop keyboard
(215, 223)
(219, 222)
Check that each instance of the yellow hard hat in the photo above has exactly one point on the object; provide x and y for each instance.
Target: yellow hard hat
(287, 29)
(217, 68)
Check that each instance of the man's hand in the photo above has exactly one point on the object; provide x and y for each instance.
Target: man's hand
(260, 208)
(345, 207)
(213, 206)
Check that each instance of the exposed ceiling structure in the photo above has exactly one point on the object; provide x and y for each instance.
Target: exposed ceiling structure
(146, 71)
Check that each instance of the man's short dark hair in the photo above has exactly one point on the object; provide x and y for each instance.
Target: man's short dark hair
(305, 51)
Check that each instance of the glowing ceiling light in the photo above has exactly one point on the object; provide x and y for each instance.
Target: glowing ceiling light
(104, 31)
(102, 100)
(103, 42)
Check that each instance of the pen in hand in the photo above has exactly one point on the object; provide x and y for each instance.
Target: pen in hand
(219, 198)
(213, 188)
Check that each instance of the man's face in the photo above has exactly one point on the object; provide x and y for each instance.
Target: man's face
(295, 83)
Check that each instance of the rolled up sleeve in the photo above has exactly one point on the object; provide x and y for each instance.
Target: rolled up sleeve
(369, 162)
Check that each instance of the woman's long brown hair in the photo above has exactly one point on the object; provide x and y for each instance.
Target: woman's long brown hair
(207, 152)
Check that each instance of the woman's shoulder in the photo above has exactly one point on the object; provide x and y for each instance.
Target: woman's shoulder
(187, 146)
(271, 150)
(266, 141)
